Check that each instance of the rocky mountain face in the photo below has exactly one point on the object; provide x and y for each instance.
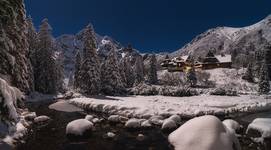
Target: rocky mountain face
(225, 39)
(14, 65)
(69, 45)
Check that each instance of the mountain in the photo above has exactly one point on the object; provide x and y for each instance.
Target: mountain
(224, 39)
(69, 45)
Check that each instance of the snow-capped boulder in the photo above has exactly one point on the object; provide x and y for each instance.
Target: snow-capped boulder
(204, 133)
(42, 119)
(132, 123)
(232, 124)
(96, 120)
(146, 124)
(175, 118)
(110, 135)
(140, 137)
(30, 116)
(169, 124)
(156, 120)
(89, 117)
(80, 127)
(114, 118)
(260, 127)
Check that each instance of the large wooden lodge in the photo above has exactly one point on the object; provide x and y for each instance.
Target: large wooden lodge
(210, 61)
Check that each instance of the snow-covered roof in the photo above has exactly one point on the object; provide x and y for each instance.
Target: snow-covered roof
(224, 58)
(184, 57)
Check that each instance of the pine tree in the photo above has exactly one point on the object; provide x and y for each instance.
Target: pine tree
(90, 71)
(45, 70)
(152, 72)
(78, 62)
(111, 82)
(249, 74)
(60, 72)
(264, 86)
(129, 72)
(32, 38)
(268, 58)
(191, 77)
(123, 72)
(139, 70)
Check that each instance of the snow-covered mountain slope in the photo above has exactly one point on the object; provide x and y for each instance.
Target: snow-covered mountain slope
(223, 39)
(69, 45)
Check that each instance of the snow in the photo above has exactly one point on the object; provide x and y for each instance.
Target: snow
(263, 125)
(64, 106)
(114, 118)
(204, 133)
(111, 134)
(175, 118)
(231, 124)
(146, 124)
(133, 123)
(11, 95)
(223, 59)
(79, 127)
(147, 106)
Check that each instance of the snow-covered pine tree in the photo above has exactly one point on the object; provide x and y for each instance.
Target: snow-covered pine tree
(249, 74)
(111, 79)
(191, 77)
(129, 72)
(60, 71)
(15, 65)
(268, 58)
(152, 71)
(32, 38)
(90, 71)
(264, 86)
(78, 62)
(122, 71)
(139, 70)
(45, 70)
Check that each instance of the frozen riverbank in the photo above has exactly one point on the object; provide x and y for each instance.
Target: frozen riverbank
(147, 106)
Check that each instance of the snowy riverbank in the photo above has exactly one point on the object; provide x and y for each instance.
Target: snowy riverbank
(147, 106)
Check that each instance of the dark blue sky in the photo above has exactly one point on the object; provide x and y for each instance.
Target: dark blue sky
(149, 25)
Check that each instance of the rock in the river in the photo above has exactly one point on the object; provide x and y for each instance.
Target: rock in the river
(79, 128)
(156, 120)
(41, 119)
(114, 118)
(111, 135)
(96, 120)
(260, 130)
(133, 123)
(175, 118)
(146, 124)
(169, 124)
(89, 117)
(140, 137)
(30, 116)
(232, 124)
(204, 133)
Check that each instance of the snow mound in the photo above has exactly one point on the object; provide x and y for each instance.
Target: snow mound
(79, 127)
(114, 118)
(262, 125)
(41, 119)
(231, 124)
(64, 106)
(175, 118)
(133, 123)
(203, 133)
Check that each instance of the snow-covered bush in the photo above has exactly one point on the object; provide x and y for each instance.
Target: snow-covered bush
(177, 91)
(224, 91)
(145, 89)
(171, 78)
(80, 127)
(204, 79)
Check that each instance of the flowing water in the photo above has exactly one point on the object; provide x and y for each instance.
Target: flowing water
(52, 136)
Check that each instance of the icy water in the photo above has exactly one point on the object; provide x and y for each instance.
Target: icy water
(52, 136)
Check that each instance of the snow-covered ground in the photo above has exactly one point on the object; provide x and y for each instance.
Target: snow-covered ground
(147, 106)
